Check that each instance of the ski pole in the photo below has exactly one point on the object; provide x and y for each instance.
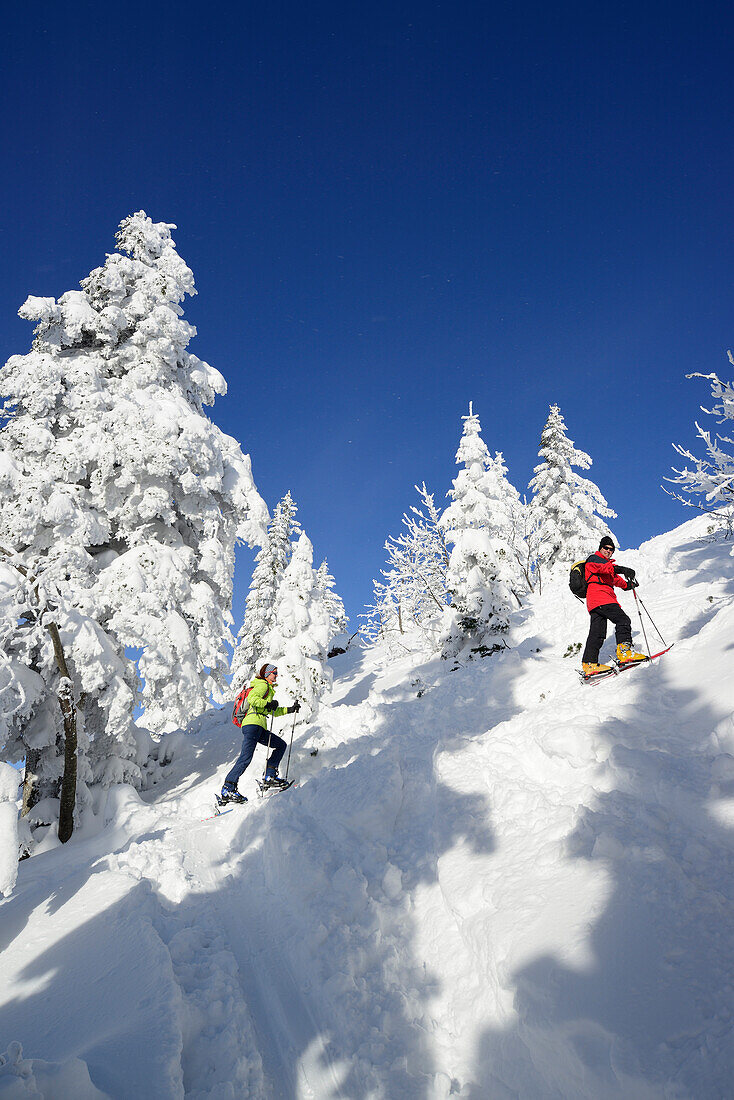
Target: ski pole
(270, 734)
(293, 730)
(644, 635)
(662, 639)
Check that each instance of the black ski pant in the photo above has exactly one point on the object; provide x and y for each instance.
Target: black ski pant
(251, 736)
(598, 629)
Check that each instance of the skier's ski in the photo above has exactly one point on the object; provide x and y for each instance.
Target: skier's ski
(217, 812)
(220, 802)
(618, 667)
(624, 665)
(597, 677)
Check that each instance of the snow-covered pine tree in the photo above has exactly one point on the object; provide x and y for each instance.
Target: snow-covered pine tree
(270, 564)
(476, 579)
(711, 477)
(409, 604)
(298, 639)
(121, 497)
(566, 509)
(326, 586)
(507, 525)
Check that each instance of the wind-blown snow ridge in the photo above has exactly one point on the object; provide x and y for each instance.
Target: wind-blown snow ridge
(491, 882)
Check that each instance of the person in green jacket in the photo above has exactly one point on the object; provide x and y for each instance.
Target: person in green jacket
(261, 703)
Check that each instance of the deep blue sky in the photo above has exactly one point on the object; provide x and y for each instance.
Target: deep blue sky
(391, 210)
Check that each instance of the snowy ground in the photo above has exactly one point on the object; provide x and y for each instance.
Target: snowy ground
(491, 882)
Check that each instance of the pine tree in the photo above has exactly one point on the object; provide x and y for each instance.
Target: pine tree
(566, 509)
(476, 579)
(712, 477)
(271, 563)
(123, 500)
(507, 524)
(326, 586)
(298, 639)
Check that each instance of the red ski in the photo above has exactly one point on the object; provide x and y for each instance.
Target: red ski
(616, 668)
(217, 813)
(653, 656)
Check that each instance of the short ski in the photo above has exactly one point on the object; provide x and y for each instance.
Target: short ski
(624, 665)
(597, 677)
(217, 813)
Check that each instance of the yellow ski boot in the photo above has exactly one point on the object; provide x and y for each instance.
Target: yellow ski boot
(626, 653)
(591, 668)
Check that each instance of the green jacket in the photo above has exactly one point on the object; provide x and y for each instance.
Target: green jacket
(261, 693)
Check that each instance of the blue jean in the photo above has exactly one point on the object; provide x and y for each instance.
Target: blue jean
(253, 735)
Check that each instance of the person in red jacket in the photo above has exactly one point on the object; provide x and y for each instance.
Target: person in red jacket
(603, 575)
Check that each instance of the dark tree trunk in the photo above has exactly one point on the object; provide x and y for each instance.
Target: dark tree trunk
(68, 712)
(67, 799)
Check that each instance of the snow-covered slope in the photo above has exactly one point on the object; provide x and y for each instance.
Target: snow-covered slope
(491, 882)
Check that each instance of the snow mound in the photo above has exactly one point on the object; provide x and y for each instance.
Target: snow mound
(31, 1077)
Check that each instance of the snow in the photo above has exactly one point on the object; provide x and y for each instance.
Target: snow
(490, 882)
(9, 780)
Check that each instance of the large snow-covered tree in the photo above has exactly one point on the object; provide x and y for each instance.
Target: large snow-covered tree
(476, 578)
(711, 477)
(566, 509)
(298, 638)
(122, 499)
(270, 564)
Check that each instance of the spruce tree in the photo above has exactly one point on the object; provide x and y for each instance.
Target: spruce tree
(476, 579)
(506, 525)
(326, 586)
(298, 638)
(270, 564)
(566, 509)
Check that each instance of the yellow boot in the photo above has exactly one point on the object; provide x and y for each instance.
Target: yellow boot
(626, 653)
(591, 668)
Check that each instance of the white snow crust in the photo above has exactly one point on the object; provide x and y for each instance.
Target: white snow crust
(492, 882)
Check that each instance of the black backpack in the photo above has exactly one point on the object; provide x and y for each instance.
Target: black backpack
(577, 581)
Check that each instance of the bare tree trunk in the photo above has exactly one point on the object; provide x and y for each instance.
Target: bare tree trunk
(67, 798)
(30, 781)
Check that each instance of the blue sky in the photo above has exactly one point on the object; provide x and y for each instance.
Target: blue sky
(391, 210)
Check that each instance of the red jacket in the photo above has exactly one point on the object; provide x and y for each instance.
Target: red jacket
(602, 580)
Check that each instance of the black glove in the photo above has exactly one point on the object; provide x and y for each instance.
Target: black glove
(271, 706)
(295, 708)
(632, 583)
(625, 571)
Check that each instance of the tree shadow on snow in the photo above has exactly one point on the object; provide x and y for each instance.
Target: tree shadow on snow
(710, 561)
(143, 993)
(303, 929)
(649, 1011)
(325, 889)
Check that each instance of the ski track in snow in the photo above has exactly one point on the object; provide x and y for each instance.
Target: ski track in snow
(512, 885)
